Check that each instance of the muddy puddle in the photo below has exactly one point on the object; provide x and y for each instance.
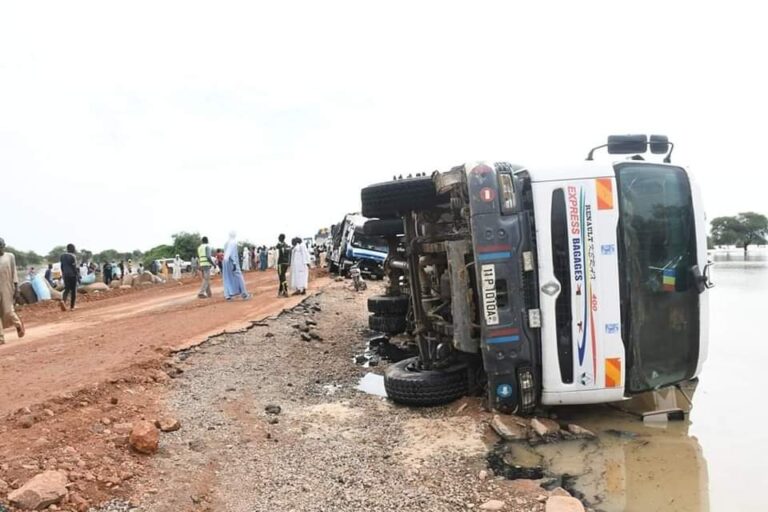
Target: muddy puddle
(631, 466)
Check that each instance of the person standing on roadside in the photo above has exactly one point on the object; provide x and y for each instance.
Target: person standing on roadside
(9, 288)
(69, 275)
(49, 275)
(206, 262)
(107, 271)
(121, 266)
(177, 268)
(231, 274)
(299, 267)
(283, 262)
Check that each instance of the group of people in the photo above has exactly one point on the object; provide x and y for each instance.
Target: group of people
(291, 259)
(232, 265)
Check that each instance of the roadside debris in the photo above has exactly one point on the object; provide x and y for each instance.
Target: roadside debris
(273, 409)
(168, 424)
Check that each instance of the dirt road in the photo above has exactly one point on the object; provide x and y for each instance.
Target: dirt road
(65, 352)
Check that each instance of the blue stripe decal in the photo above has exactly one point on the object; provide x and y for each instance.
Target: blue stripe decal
(502, 339)
(494, 256)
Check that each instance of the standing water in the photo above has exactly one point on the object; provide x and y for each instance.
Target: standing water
(714, 460)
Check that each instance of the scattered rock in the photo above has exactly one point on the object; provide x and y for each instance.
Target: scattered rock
(269, 335)
(144, 437)
(309, 321)
(80, 503)
(273, 420)
(492, 505)
(273, 409)
(306, 337)
(581, 432)
(113, 400)
(510, 428)
(483, 475)
(563, 504)
(197, 445)
(545, 427)
(26, 421)
(559, 491)
(525, 486)
(43, 490)
(4, 487)
(168, 424)
(48, 413)
(315, 335)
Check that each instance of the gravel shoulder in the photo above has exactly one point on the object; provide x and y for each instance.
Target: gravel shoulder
(331, 447)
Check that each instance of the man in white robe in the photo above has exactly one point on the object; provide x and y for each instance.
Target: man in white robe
(177, 268)
(246, 266)
(300, 262)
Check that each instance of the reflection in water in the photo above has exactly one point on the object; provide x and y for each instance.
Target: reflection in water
(633, 466)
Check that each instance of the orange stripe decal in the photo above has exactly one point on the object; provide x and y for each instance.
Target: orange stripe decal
(604, 188)
(613, 372)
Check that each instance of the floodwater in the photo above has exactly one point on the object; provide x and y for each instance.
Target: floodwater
(715, 460)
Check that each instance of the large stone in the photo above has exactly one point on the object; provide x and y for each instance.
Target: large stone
(144, 437)
(563, 504)
(581, 432)
(492, 505)
(510, 428)
(43, 490)
(545, 427)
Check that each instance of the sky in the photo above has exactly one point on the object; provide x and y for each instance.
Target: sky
(122, 123)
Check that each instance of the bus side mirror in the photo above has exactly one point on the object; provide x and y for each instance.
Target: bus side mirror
(659, 144)
(627, 144)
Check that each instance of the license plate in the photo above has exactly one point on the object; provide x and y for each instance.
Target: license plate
(490, 305)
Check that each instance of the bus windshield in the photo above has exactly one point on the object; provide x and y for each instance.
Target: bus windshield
(659, 300)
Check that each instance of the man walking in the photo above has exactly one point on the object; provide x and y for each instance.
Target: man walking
(69, 274)
(9, 287)
(205, 256)
(283, 262)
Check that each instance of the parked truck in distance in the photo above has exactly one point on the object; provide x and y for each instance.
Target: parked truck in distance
(349, 244)
(576, 284)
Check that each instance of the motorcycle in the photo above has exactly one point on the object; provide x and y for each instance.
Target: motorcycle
(357, 278)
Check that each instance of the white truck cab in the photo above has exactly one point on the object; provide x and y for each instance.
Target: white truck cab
(623, 309)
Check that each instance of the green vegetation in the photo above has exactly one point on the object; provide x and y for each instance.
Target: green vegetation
(742, 230)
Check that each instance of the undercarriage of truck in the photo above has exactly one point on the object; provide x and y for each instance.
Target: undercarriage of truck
(435, 290)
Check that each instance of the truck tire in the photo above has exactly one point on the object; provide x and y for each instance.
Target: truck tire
(388, 324)
(386, 305)
(384, 227)
(407, 384)
(394, 198)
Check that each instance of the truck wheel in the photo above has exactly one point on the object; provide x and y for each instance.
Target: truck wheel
(384, 227)
(386, 305)
(407, 384)
(394, 198)
(389, 324)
